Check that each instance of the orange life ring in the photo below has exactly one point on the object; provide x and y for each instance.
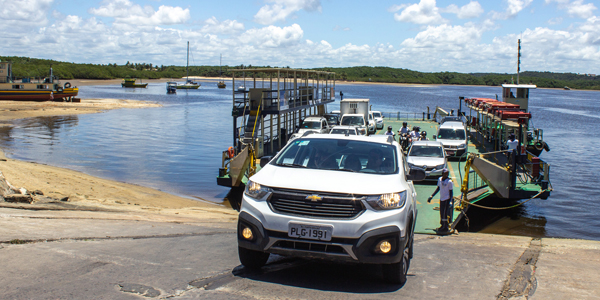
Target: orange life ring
(231, 152)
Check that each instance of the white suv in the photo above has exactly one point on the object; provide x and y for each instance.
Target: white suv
(343, 198)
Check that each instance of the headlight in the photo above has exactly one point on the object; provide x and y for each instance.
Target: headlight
(387, 201)
(255, 190)
(411, 165)
(462, 146)
(439, 167)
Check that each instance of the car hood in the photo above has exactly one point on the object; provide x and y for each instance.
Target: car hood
(451, 142)
(329, 181)
(425, 161)
(303, 130)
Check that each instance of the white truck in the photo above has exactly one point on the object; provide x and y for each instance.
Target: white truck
(355, 112)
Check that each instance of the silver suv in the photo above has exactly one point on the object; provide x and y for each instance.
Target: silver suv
(342, 198)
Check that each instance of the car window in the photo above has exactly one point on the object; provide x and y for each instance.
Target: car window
(376, 115)
(311, 125)
(426, 151)
(332, 154)
(451, 134)
(353, 120)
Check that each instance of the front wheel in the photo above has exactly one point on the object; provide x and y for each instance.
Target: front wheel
(396, 273)
(252, 259)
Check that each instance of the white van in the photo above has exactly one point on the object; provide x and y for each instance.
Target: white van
(453, 135)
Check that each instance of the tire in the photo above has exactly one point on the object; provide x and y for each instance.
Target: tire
(252, 259)
(67, 85)
(396, 273)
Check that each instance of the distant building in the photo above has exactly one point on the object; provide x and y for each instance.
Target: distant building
(4, 72)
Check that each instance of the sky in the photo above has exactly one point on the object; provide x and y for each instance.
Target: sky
(427, 35)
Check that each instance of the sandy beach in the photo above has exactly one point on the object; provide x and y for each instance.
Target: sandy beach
(82, 191)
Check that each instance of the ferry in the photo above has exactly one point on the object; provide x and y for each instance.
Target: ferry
(268, 112)
(43, 90)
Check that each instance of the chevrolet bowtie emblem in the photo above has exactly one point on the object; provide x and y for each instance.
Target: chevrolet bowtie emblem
(314, 198)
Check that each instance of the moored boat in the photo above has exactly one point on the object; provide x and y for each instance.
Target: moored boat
(44, 90)
(189, 84)
(171, 87)
(131, 83)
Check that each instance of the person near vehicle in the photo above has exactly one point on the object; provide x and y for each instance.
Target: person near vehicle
(404, 129)
(444, 186)
(389, 131)
(415, 135)
(512, 144)
(322, 160)
(341, 95)
(423, 136)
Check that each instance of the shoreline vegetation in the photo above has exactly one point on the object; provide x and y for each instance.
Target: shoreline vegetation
(24, 67)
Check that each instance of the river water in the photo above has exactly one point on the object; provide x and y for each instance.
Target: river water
(177, 148)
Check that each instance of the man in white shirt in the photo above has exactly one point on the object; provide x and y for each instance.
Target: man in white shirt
(404, 128)
(444, 186)
(512, 144)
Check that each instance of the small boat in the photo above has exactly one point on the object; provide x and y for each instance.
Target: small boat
(241, 88)
(221, 84)
(567, 88)
(189, 84)
(131, 83)
(171, 87)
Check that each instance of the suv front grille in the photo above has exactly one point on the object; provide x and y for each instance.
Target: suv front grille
(337, 206)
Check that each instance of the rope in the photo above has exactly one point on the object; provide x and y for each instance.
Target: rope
(501, 208)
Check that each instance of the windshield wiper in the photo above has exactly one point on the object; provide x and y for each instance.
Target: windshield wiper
(292, 165)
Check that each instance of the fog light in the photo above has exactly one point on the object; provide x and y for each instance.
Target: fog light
(247, 233)
(385, 247)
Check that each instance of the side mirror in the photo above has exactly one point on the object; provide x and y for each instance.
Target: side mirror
(265, 160)
(416, 174)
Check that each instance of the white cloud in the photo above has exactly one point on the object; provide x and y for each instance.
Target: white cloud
(23, 13)
(272, 36)
(425, 12)
(555, 21)
(471, 10)
(282, 9)
(225, 27)
(395, 7)
(513, 7)
(576, 8)
(126, 12)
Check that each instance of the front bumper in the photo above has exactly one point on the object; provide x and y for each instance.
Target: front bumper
(361, 249)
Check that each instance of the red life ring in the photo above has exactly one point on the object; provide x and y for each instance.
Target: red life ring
(231, 152)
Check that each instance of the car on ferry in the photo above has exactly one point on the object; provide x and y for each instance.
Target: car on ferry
(314, 124)
(378, 119)
(356, 120)
(428, 155)
(333, 197)
(332, 119)
(453, 135)
(349, 130)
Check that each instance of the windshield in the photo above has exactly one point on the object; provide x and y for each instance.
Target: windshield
(343, 131)
(311, 125)
(451, 134)
(339, 155)
(376, 115)
(332, 120)
(426, 151)
(353, 120)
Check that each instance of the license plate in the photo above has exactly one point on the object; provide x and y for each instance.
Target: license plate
(449, 152)
(312, 232)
